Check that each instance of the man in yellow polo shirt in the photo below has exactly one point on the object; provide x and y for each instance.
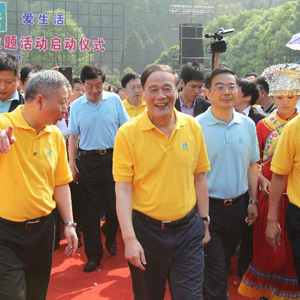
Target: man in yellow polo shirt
(159, 167)
(133, 103)
(286, 171)
(34, 178)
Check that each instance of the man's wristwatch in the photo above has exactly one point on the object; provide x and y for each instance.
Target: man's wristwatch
(253, 202)
(70, 224)
(207, 219)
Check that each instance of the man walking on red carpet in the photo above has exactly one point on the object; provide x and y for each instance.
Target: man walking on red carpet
(34, 178)
(159, 167)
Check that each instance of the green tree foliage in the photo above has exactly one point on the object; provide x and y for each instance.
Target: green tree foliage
(158, 46)
(128, 70)
(236, 4)
(47, 58)
(148, 47)
(155, 16)
(277, 32)
(149, 18)
(170, 57)
(228, 9)
(144, 34)
(134, 53)
(139, 54)
(260, 38)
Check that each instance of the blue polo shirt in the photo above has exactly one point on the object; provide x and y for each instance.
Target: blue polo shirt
(231, 148)
(97, 125)
(4, 106)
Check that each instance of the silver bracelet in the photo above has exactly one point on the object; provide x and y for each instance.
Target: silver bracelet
(70, 224)
(253, 202)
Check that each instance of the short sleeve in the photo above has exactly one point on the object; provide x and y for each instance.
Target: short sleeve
(3, 123)
(203, 164)
(255, 156)
(122, 159)
(73, 127)
(62, 174)
(123, 115)
(282, 162)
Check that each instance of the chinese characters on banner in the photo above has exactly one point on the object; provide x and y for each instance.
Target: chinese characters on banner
(10, 42)
(43, 19)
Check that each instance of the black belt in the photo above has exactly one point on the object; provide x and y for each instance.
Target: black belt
(164, 224)
(99, 151)
(227, 202)
(30, 224)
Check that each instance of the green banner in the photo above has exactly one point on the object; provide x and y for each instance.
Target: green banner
(3, 18)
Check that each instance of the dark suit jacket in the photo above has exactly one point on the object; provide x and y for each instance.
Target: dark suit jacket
(16, 103)
(201, 105)
(256, 115)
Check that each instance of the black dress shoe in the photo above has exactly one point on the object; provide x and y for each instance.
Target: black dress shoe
(111, 247)
(90, 266)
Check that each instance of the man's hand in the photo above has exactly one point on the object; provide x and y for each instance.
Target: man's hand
(206, 238)
(134, 253)
(6, 139)
(75, 172)
(252, 214)
(265, 186)
(273, 234)
(71, 236)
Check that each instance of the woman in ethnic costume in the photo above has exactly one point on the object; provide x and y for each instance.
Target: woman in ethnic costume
(271, 274)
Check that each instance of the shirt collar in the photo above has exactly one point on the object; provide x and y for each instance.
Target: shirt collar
(148, 125)
(212, 120)
(14, 97)
(181, 102)
(247, 110)
(20, 122)
(104, 96)
(127, 105)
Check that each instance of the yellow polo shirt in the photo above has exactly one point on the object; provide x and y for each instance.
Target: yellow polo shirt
(161, 170)
(31, 169)
(286, 160)
(132, 110)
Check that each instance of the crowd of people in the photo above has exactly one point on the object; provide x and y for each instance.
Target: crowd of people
(192, 168)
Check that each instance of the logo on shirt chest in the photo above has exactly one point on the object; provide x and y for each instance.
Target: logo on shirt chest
(241, 140)
(48, 153)
(185, 146)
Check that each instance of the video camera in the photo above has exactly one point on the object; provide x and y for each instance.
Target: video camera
(220, 44)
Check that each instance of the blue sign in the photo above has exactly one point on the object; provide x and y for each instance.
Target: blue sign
(3, 17)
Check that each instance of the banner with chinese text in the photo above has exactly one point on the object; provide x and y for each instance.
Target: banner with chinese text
(69, 34)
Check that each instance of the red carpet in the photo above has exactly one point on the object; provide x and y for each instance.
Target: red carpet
(110, 281)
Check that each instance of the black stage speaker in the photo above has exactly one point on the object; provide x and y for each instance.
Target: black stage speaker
(191, 43)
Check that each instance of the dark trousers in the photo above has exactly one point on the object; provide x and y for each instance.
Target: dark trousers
(76, 207)
(246, 249)
(175, 255)
(97, 192)
(225, 229)
(57, 221)
(25, 261)
(293, 230)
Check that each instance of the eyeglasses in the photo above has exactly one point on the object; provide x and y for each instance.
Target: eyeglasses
(222, 88)
(134, 87)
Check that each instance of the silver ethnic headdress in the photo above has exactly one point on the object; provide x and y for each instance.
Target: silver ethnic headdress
(283, 79)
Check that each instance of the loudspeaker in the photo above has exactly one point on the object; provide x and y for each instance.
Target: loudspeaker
(191, 43)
